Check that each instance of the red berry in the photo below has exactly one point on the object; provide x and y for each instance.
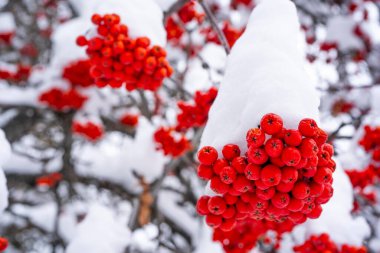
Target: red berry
(239, 163)
(301, 190)
(321, 137)
(213, 221)
(216, 205)
(230, 151)
(271, 123)
(274, 147)
(205, 172)
(291, 156)
(219, 165)
(228, 175)
(261, 185)
(259, 204)
(289, 175)
(323, 175)
(255, 137)
(277, 161)
(328, 148)
(81, 41)
(280, 200)
(229, 213)
(316, 189)
(202, 205)
(207, 155)
(295, 205)
(227, 225)
(271, 175)
(218, 186)
(3, 243)
(284, 187)
(266, 194)
(292, 137)
(308, 127)
(252, 171)
(257, 155)
(315, 212)
(230, 199)
(242, 184)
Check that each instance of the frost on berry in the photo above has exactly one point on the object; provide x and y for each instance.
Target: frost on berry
(284, 177)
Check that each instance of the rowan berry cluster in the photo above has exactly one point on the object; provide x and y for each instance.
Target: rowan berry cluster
(49, 180)
(61, 100)
(195, 114)
(6, 37)
(244, 236)
(22, 73)
(322, 243)
(170, 142)
(3, 243)
(89, 130)
(371, 142)
(117, 59)
(130, 119)
(246, 3)
(231, 34)
(77, 73)
(285, 174)
(363, 178)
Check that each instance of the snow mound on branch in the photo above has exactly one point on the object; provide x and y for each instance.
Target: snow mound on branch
(7, 22)
(100, 232)
(265, 73)
(5, 151)
(143, 17)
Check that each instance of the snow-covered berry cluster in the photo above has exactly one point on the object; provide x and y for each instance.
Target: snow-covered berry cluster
(117, 59)
(77, 73)
(171, 142)
(231, 34)
(285, 174)
(89, 130)
(62, 100)
(322, 243)
(195, 114)
(49, 180)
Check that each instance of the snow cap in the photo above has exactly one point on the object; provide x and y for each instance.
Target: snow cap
(265, 74)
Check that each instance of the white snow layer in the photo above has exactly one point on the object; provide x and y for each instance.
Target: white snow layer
(265, 73)
(7, 22)
(100, 232)
(5, 151)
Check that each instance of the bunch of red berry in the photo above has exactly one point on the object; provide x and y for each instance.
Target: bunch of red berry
(3, 243)
(89, 130)
(285, 174)
(247, 3)
(171, 142)
(6, 37)
(322, 243)
(243, 237)
(363, 178)
(130, 119)
(61, 100)
(49, 180)
(195, 114)
(117, 59)
(232, 34)
(78, 73)
(371, 141)
(21, 74)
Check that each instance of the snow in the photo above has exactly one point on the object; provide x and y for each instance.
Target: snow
(340, 30)
(100, 232)
(42, 215)
(265, 73)
(7, 22)
(144, 239)
(5, 151)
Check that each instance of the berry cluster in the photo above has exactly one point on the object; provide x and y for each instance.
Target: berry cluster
(117, 59)
(195, 114)
(130, 119)
(89, 130)
(61, 100)
(50, 180)
(231, 34)
(3, 243)
(171, 142)
(78, 73)
(21, 74)
(243, 237)
(322, 243)
(371, 142)
(246, 3)
(6, 37)
(363, 178)
(285, 174)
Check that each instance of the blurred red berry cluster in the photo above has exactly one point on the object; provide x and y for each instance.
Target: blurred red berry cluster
(61, 100)
(49, 180)
(22, 73)
(171, 142)
(117, 59)
(77, 73)
(89, 130)
(323, 244)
